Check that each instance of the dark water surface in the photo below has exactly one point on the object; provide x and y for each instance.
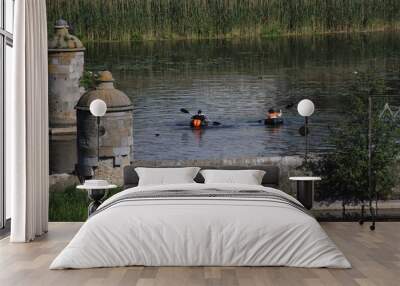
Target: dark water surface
(235, 82)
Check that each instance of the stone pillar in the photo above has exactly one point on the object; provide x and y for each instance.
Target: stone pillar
(116, 131)
(66, 60)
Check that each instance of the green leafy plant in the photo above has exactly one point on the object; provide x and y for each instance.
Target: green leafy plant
(88, 80)
(71, 204)
(345, 168)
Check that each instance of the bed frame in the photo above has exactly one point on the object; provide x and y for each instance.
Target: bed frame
(270, 179)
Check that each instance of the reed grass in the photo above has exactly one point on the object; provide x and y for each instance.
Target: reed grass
(133, 20)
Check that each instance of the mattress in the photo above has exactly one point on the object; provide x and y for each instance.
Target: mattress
(201, 225)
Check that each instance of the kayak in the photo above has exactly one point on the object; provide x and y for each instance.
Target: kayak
(198, 124)
(273, 121)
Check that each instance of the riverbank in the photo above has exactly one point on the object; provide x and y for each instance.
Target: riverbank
(251, 35)
(143, 20)
(70, 204)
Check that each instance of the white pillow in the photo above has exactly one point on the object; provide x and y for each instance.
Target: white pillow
(166, 176)
(247, 177)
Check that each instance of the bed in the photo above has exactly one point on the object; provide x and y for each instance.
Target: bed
(199, 224)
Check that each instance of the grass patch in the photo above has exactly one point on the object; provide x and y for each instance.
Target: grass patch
(71, 204)
(270, 31)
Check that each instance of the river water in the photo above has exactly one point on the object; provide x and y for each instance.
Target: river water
(235, 82)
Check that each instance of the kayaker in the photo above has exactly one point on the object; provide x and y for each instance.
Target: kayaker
(272, 114)
(199, 119)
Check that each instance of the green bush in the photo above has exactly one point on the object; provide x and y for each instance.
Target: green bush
(88, 80)
(345, 168)
(71, 204)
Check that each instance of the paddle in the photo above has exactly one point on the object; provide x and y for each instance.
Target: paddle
(215, 123)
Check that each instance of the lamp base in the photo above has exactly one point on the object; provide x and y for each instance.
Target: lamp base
(303, 130)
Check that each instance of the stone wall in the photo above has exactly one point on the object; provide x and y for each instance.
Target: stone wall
(287, 165)
(106, 170)
(65, 72)
(62, 152)
(116, 139)
(60, 182)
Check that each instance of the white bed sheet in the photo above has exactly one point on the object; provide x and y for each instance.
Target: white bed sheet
(200, 232)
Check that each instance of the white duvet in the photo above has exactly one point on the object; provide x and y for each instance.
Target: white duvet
(200, 231)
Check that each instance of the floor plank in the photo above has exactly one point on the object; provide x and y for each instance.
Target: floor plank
(375, 257)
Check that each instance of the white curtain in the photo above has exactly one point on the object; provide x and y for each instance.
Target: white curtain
(27, 124)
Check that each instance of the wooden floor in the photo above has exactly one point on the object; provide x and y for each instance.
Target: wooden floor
(375, 257)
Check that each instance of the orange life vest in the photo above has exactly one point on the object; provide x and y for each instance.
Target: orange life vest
(273, 115)
(196, 123)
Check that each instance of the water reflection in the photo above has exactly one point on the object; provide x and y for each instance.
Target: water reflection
(235, 82)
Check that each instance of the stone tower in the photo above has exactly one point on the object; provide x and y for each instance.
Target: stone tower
(116, 131)
(66, 60)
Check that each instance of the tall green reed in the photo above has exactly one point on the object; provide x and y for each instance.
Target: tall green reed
(132, 20)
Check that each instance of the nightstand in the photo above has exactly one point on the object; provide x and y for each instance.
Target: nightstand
(97, 190)
(305, 190)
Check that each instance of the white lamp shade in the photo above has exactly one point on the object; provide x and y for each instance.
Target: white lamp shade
(98, 108)
(305, 107)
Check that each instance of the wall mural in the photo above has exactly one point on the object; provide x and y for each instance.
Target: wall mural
(235, 84)
(189, 96)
